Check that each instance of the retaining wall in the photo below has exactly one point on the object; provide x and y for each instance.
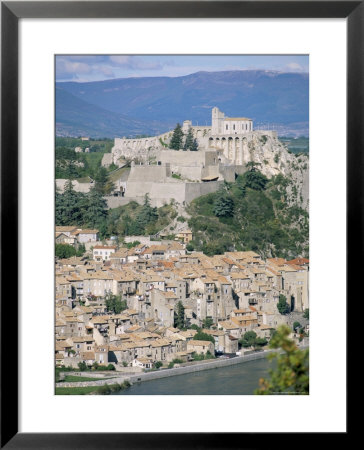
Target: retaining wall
(197, 368)
(176, 371)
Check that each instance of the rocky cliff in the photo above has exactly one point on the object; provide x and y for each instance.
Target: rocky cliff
(274, 158)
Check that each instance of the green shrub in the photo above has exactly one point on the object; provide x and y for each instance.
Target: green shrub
(104, 390)
(82, 366)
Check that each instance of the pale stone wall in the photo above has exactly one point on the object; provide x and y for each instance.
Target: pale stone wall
(149, 173)
(210, 171)
(138, 148)
(142, 239)
(186, 158)
(78, 187)
(191, 165)
(115, 202)
(189, 172)
(165, 192)
(194, 190)
(107, 159)
(161, 193)
(228, 172)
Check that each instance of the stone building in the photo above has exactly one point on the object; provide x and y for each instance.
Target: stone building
(222, 125)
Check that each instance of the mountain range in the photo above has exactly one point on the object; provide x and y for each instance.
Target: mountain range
(152, 105)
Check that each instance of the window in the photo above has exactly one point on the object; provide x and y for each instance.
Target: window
(227, 127)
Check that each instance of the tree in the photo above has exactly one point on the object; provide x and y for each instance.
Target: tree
(68, 210)
(296, 325)
(179, 320)
(58, 207)
(255, 180)
(194, 146)
(176, 141)
(201, 336)
(291, 372)
(95, 209)
(252, 166)
(115, 304)
(260, 342)
(147, 215)
(101, 179)
(223, 205)
(65, 251)
(248, 339)
(239, 188)
(158, 364)
(189, 140)
(81, 250)
(208, 322)
(282, 305)
(190, 247)
(306, 314)
(82, 366)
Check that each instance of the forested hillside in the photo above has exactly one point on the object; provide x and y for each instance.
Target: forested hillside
(253, 213)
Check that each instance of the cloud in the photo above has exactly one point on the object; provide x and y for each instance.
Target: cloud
(134, 63)
(294, 67)
(75, 67)
(71, 69)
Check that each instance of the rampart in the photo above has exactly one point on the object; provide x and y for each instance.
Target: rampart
(149, 173)
(161, 193)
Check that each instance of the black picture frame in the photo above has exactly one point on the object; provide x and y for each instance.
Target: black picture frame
(11, 12)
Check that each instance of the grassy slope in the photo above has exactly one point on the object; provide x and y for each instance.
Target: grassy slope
(75, 390)
(73, 378)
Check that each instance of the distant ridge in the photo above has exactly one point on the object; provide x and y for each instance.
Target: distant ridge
(152, 105)
(76, 117)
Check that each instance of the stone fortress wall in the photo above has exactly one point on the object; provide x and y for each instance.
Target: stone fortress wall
(224, 149)
(157, 182)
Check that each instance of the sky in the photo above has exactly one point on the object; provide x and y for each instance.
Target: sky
(83, 68)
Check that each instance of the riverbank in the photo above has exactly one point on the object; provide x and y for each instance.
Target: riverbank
(166, 373)
(104, 389)
(206, 365)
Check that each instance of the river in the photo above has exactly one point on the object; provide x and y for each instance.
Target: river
(239, 379)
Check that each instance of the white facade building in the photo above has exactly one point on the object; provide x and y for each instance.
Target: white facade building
(103, 252)
(229, 125)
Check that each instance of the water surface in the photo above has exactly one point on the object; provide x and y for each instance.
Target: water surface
(239, 379)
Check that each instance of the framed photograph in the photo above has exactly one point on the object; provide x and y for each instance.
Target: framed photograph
(180, 186)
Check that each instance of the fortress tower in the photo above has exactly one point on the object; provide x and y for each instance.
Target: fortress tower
(187, 124)
(217, 120)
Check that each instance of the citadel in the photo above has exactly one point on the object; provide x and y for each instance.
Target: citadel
(224, 149)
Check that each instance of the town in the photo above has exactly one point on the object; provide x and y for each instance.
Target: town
(149, 304)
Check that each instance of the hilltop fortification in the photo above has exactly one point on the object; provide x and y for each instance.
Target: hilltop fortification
(224, 149)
